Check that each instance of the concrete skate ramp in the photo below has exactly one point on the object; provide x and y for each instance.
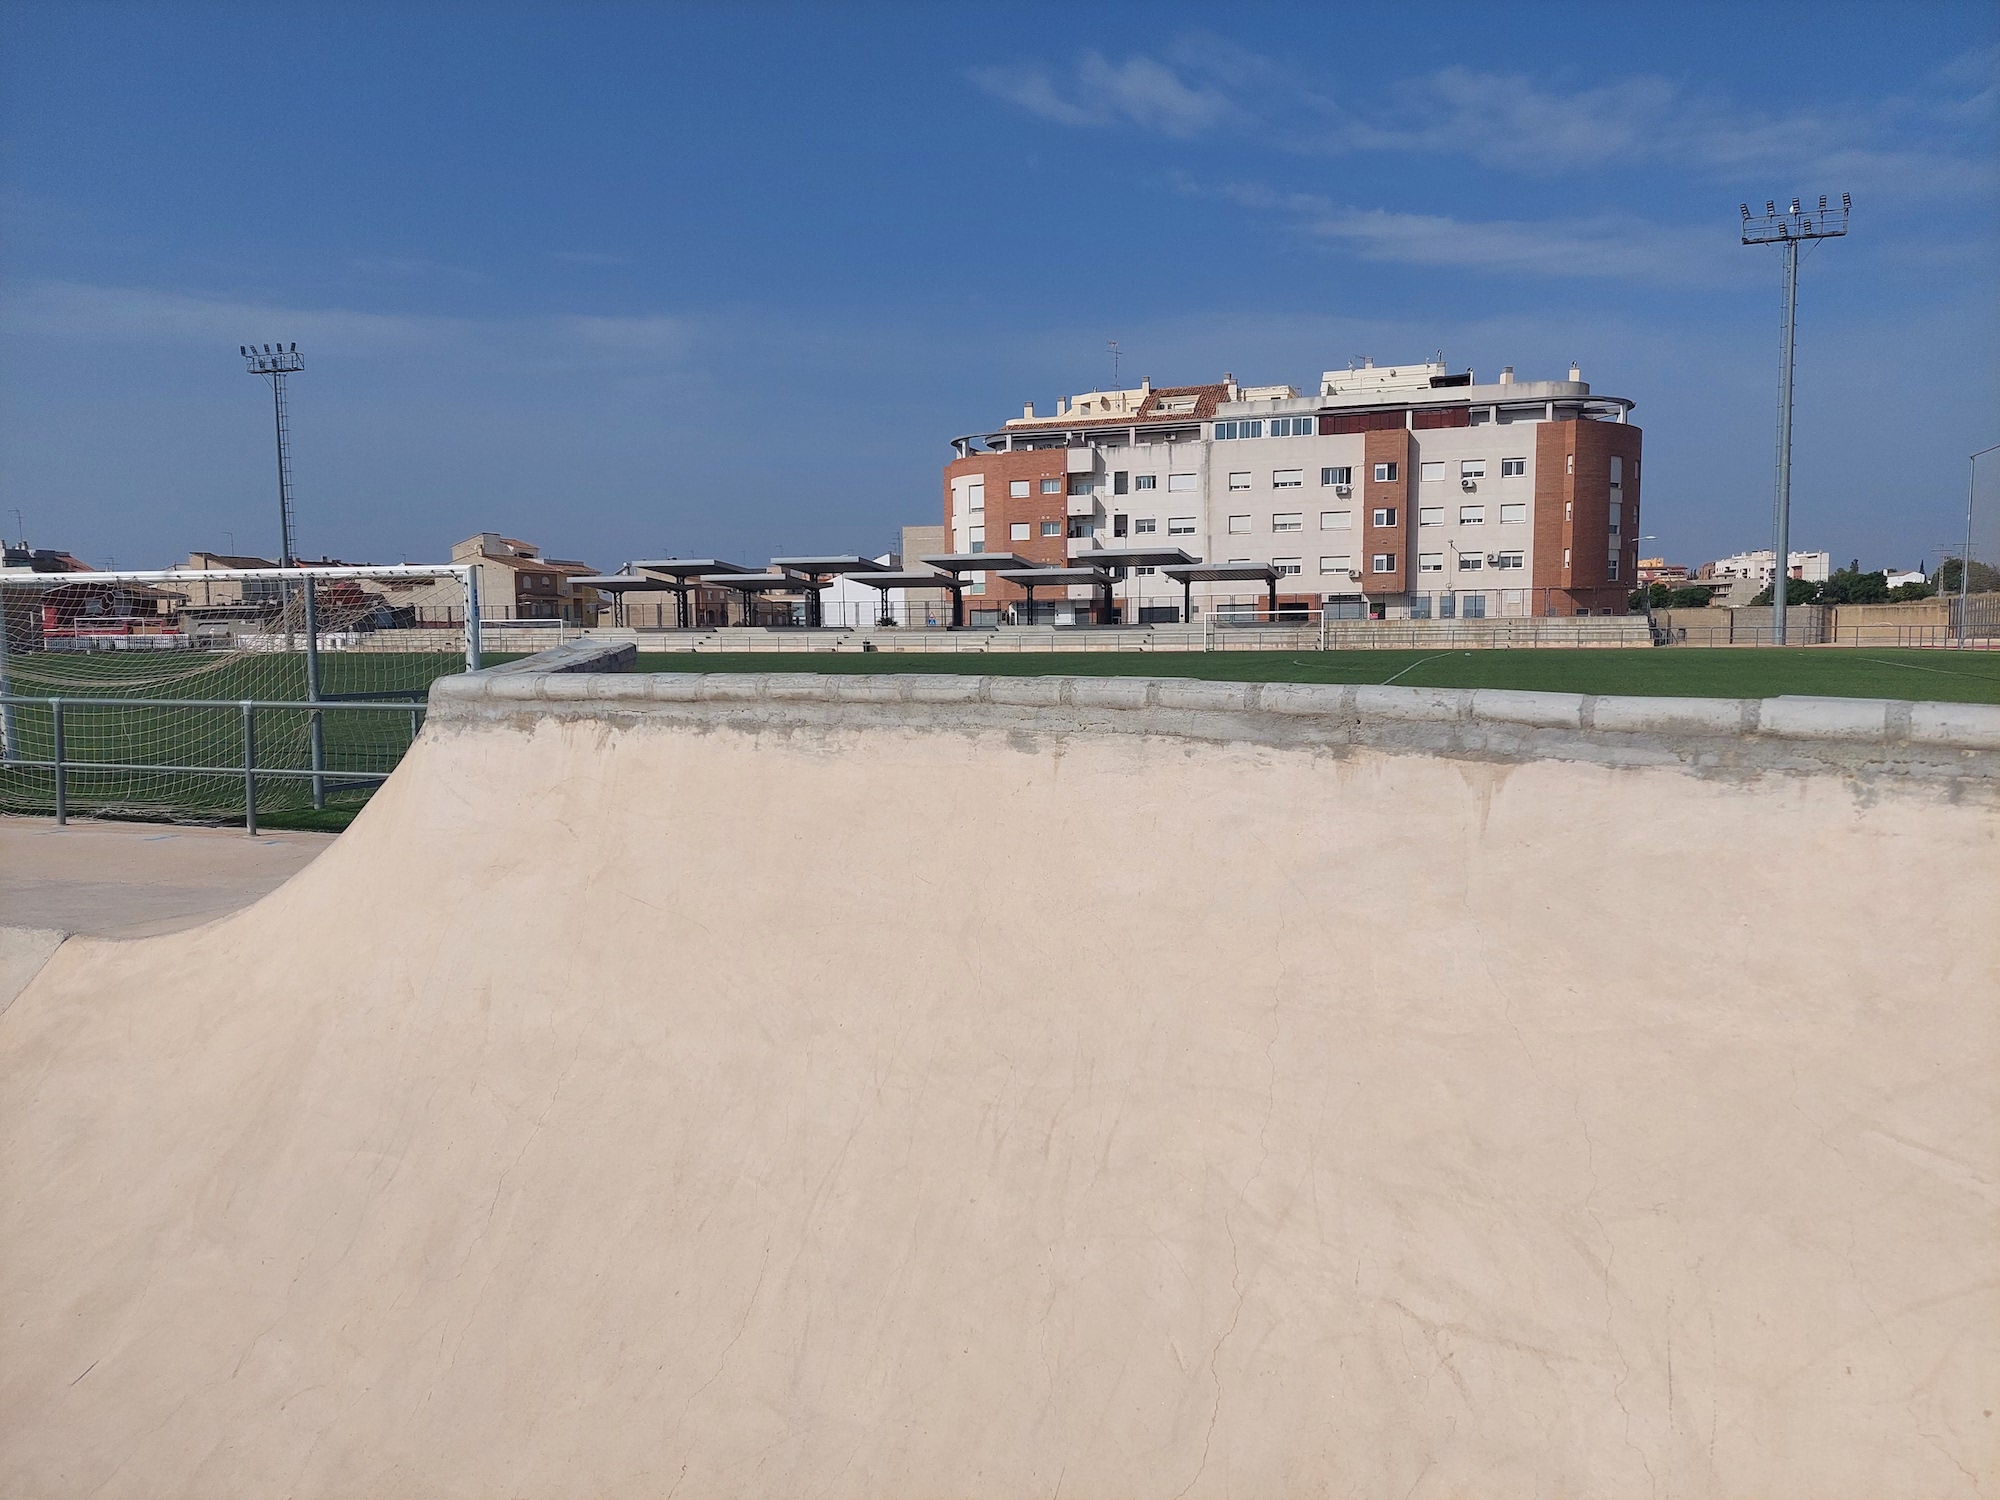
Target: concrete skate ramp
(953, 1087)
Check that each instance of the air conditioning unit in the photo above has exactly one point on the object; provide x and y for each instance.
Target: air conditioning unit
(1354, 575)
(1343, 490)
(1468, 484)
(1492, 559)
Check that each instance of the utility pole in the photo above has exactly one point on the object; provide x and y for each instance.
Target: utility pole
(1787, 230)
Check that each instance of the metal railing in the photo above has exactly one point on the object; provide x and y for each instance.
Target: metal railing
(64, 766)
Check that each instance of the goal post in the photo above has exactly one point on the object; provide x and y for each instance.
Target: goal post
(132, 692)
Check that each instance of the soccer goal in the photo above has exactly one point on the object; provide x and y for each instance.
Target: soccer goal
(217, 693)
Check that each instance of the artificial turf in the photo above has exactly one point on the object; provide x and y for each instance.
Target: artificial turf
(1735, 672)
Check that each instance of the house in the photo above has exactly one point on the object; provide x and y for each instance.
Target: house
(517, 583)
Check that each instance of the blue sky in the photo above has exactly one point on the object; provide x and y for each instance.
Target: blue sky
(637, 280)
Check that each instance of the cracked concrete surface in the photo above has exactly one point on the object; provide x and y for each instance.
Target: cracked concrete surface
(633, 1106)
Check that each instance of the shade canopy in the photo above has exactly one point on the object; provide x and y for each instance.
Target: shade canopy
(690, 567)
(762, 583)
(856, 564)
(1134, 557)
(978, 562)
(1039, 577)
(887, 580)
(1224, 573)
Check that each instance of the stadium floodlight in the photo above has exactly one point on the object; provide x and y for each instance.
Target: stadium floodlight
(1788, 229)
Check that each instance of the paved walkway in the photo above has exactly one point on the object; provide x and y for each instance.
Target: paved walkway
(138, 879)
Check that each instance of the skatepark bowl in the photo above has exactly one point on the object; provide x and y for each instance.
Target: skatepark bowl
(942, 1086)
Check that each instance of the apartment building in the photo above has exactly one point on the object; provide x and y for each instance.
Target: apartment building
(1812, 567)
(1405, 491)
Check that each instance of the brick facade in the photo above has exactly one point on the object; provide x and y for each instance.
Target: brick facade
(1572, 515)
(1391, 445)
(1004, 510)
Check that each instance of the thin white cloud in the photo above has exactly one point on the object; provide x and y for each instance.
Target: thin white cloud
(1141, 91)
(1204, 85)
(135, 315)
(1613, 246)
(589, 258)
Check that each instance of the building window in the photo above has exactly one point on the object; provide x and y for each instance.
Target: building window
(1079, 526)
(975, 495)
(1341, 563)
(1120, 482)
(1515, 514)
(1018, 532)
(1052, 486)
(1430, 562)
(1617, 472)
(1117, 525)
(1239, 481)
(1294, 426)
(1570, 466)
(1614, 520)
(1146, 572)
(1470, 562)
(1430, 515)
(1472, 515)
(1180, 525)
(1341, 475)
(1082, 484)
(1287, 565)
(1239, 524)
(1382, 515)
(1472, 468)
(1052, 528)
(1180, 481)
(978, 538)
(1385, 473)
(1224, 431)
(1288, 520)
(1336, 520)
(1513, 468)
(1287, 479)
(1510, 560)
(1145, 526)
(1382, 562)
(1428, 473)
(1145, 482)
(1565, 557)
(1569, 510)
(1018, 488)
(1611, 570)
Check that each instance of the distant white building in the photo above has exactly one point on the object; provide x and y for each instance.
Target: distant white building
(1812, 567)
(1897, 577)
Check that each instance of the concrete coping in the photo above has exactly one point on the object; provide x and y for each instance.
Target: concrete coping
(574, 656)
(1824, 722)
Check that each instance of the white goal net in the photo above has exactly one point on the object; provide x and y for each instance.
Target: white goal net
(202, 694)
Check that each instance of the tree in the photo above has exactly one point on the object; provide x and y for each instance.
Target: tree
(1797, 591)
(1985, 579)
(1906, 593)
(1849, 585)
(1694, 596)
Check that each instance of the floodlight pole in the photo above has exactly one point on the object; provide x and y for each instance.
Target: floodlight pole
(1787, 229)
(1965, 562)
(274, 366)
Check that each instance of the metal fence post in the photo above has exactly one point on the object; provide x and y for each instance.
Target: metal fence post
(62, 779)
(316, 727)
(9, 742)
(250, 769)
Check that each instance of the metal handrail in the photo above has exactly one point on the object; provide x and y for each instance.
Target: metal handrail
(249, 708)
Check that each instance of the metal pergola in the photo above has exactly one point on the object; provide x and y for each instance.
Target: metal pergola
(824, 570)
(679, 576)
(1190, 574)
(752, 584)
(955, 563)
(950, 582)
(1034, 578)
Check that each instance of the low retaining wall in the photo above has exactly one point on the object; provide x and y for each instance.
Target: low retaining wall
(1712, 736)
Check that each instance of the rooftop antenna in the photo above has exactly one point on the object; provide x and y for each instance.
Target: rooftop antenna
(1788, 228)
(1113, 345)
